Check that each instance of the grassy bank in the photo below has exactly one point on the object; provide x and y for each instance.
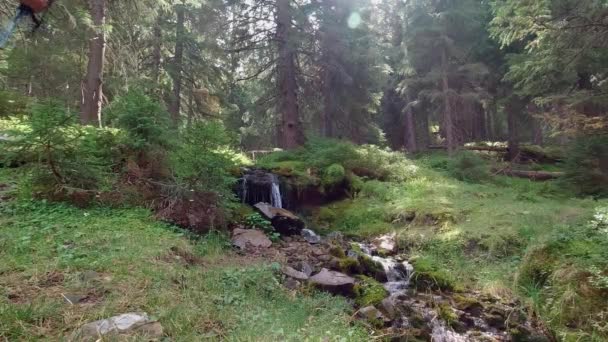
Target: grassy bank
(508, 237)
(122, 260)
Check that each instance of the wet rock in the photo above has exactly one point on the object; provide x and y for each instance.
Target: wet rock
(244, 238)
(305, 268)
(371, 314)
(291, 272)
(495, 321)
(335, 237)
(523, 333)
(310, 236)
(125, 324)
(386, 244)
(284, 221)
(334, 282)
(388, 307)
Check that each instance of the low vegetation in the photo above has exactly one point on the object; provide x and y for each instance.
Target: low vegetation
(122, 260)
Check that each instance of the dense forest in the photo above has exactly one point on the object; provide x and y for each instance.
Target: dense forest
(304, 170)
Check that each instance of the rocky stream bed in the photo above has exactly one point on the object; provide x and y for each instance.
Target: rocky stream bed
(397, 301)
(389, 296)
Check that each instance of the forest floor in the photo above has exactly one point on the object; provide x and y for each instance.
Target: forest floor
(64, 266)
(113, 261)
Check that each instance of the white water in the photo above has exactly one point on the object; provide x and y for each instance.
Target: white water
(398, 276)
(398, 273)
(275, 193)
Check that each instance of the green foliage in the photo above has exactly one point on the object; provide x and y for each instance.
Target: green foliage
(469, 167)
(256, 221)
(12, 104)
(72, 156)
(204, 159)
(53, 245)
(369, 292)
(144, 120)
(429, 274)
(333, 175)
(587, 166)
(320, 155)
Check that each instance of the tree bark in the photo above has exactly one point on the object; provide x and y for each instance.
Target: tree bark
(290, 132)
(92, 91)
(512, 108)
(329, 45)
(410, 127)
(175, 105)
(448, 117)
(157, 52)
(532, 175)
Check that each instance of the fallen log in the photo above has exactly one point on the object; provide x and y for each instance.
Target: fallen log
(532, 175)
(526, 152)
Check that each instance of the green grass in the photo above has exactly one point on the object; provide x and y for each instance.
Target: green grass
(477, 236)
(48, 249)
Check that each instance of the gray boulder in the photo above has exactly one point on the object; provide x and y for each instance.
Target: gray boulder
(125, 324)
(310, 236)
(334, 282)
(284, 221)
(291, 272)
(243, 238)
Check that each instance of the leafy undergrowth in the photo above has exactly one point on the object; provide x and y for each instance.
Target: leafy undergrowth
(122, 260)
(480, 233)
(328, 162)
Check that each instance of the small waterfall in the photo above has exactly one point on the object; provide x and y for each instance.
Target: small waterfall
(398, 273)
(275, 193)
(260, 186)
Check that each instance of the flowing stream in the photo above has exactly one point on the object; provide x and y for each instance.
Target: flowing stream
(399, 275)
(413, 310)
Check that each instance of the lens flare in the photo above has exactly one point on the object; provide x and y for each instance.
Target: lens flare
(354, 20)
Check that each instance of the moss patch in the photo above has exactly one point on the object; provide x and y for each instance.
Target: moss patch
(369, 292)
(429, 275)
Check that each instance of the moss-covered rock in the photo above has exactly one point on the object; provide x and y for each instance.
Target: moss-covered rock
(337, 251)
(429, 275)
(446, 313)
(369, 291)
(372, 268)
(349, 265)
(467, 303)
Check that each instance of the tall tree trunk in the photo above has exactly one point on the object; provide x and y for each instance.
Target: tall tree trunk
(329, 45)
(290, 132)
(92, 91)
(447, 110)
(190, 107)
(157, 52)
(175, 105)
(513, 106)
(410, 127)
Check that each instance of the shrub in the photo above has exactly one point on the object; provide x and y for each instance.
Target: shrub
(587, 166)
(204, 159)
(469, 167)
(12, 104)
(74, 159)
(333, 175)
(145, 122)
